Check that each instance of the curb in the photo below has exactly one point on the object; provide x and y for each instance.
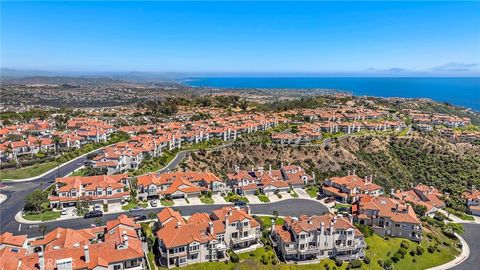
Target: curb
(52, 170)
(459, 259)
(20, 219)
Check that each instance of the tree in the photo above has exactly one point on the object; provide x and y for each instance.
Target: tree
(42, 229)
(35, 201)
(56, 140)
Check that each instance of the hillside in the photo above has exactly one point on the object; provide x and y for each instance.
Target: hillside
(395, 162)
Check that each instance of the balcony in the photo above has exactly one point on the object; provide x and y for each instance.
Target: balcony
(244, 239)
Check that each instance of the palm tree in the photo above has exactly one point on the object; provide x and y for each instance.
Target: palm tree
(56, 140)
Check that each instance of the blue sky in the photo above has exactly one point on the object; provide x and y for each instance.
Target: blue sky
(314, 37)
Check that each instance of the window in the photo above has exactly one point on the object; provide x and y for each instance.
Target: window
(302, 246)
(194, 248)
(182, 260)
(245, 223)
(302, 236)
(117, 267)
(235, 235)
(397, 225)
(245, 234)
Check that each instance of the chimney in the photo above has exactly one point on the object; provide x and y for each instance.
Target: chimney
(408, 207)
(353, 171)
(253, 168)
(210, 228)
(249, 210)
(273, 225)
(331, 228)
(125, 240)
(230, 211)
(334, 220)
(348, 172)
(87, 253)
(270, 168)
(281, 165)
(404, 196)
(473, 189)
(179, 224)
(350, 218)
(397, 205)
(41, 261)
(310, 220)
(226, 221)
(392, 191)
(322, 227)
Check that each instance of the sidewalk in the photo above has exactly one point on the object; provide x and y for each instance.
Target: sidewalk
(459, 259)
(3, 198)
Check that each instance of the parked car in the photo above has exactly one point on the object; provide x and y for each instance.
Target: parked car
(140, 218)
(154, 203)
(64, 212)
(93, 214)
(239, 203)
(329, 199)
(97, 207)
(321, 196)
(135, 209)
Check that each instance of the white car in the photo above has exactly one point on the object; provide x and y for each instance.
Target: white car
(97, 207)
(64, 212)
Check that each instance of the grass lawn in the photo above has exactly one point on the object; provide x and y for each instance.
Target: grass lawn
(293, 194)
(234, 197)
(80, 172)
(312, 191)
(29, 171)
(166, 202)
(379, 248)
(206, 200)
(263, 198)
(460, 214)
(129, 206)
(45, 216)
(267, 221)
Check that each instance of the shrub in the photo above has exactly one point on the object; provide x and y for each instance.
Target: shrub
(366, 260)
(420, 250)
(397, 257)
(268, 248)
(327, 267)
(402, 251)
(446, 244)
(414, 260)
(274, 261)
(412, 253)
(356, 263)
(264, 259)
(380, 262)
(404, 245)
(431, 249)
(338, 262)
(234, 257)
(252, 254)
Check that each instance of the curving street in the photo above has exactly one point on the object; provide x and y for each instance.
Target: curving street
(472, 237)
(285, 207)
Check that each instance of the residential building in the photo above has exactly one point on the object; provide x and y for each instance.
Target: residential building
(473, 200)
(427, 196)
(349, 188)
(101, 189)
(388, 217)
(312, 238)
(204, 237)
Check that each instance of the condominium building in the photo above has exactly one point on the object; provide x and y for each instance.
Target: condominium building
(388, 217)
(350, 187)
(204, 237)
(311, 238)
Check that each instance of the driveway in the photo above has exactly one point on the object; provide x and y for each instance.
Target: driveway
(195, 201)
(302, 194)
(273, 197)
(180, 202)
(218, 199)
(253, 199)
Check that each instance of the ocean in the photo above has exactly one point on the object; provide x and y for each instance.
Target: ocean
(458, 91)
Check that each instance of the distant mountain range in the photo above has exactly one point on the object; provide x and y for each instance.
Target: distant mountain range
(9, 75)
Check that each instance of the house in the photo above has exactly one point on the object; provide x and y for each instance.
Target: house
(114, 246)
(348, 188)
(204, 237)
(179, 184)
(7, 239)
(473, 200)
(312, 238)
(269, 181)
(388, 217)
(423, 195)
(101, 189)
(12, 250)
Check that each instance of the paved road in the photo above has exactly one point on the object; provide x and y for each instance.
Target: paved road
(17, 191)
(284, 208)
(472, 237)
